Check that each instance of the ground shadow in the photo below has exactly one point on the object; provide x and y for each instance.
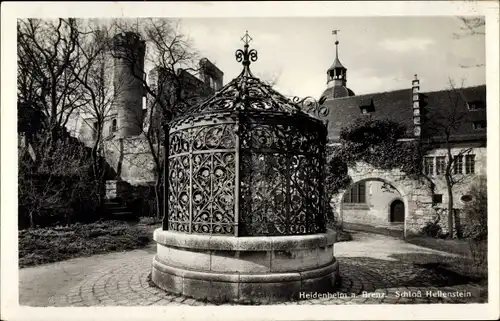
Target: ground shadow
(409, 270)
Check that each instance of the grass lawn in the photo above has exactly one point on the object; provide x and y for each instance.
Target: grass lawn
(463, 265)
(455, 246)
(53, 244)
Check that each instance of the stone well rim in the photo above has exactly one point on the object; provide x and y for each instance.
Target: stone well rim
(247, 243)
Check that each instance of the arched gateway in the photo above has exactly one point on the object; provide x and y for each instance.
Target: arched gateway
(245, 205)
(396, 209)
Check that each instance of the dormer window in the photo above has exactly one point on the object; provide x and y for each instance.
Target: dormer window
(475, 105)
(477, 125)
(366, 106)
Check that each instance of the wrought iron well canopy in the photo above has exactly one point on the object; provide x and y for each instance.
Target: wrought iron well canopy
(246, 162)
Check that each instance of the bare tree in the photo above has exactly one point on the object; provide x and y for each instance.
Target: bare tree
(48, 55)
(271, 79)
(444, 124)
(48, 189)
(471, 27)
(93, 74)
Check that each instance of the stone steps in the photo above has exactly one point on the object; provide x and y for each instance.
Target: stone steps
(117, 210)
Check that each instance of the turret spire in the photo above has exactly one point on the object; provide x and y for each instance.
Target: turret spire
(337, 74)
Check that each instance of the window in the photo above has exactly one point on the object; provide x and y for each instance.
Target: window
(357, 194)
(437, 199)
(429, 165)
(472, 106)
(458, 164)
(466, 198)
(440, 165)
(366, 106)
(469, 164)
(113, 126)
(479, 125)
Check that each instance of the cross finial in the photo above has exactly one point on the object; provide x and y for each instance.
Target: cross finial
(245, 56)
(246, 38)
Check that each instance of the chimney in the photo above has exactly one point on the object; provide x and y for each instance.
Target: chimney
(416, 106)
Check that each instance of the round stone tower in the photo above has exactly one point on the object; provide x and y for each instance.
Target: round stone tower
(128, 55)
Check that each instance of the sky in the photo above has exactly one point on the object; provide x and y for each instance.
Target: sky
(380, 53)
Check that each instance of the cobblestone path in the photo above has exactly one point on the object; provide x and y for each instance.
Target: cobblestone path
(374, 269)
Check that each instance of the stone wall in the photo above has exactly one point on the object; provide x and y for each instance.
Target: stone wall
(416, 195)
(131, 159)
(377, 207)
(462, 188)
(115, 189)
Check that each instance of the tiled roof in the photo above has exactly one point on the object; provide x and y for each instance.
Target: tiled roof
(397, 106)
(394, 105)
(440, 107)
(337, 92)
(336, 64)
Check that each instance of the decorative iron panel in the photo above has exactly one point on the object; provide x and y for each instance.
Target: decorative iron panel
(202, 179)
(280, 179)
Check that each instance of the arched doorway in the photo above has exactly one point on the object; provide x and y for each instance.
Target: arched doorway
(397, 211)
(368, 202)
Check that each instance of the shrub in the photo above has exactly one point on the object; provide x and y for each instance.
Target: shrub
(149, 220)
(476, 213)
(47, 200)
(343, 236)
(432, 229)
(476, 221)
(58, 187)
(141, 201)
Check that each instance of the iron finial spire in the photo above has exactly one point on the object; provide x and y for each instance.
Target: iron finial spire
(245, 56)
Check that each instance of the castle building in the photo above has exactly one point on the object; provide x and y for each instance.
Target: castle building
(125, 145)
(388, 199)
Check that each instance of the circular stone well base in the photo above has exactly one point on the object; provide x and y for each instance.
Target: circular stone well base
(244, 269)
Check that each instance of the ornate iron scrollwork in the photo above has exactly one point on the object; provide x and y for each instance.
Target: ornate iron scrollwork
(311, 106)
(247, 162)
(245, 56)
